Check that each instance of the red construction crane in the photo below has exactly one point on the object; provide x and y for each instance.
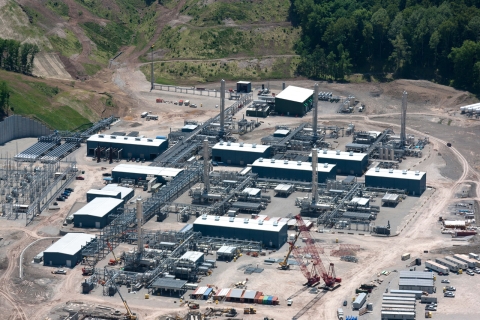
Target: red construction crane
(315, 271)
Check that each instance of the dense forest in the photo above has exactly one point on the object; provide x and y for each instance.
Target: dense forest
(436, 40)
(17, 57)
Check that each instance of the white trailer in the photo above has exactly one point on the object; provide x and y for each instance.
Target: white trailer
(436, 267)
(470, 262)
(450, 265)
(398, 306)
(359, 301)
(473, 256)
(461, 264)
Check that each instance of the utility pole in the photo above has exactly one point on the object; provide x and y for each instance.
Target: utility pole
(151, 70)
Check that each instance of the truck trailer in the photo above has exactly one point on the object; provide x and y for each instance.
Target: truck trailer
(450, 265)
(461, 264)
(432, 265)
(470, 262)
(428, 299)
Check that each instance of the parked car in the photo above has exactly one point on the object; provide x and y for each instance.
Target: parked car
(55, 203)
(106, 174)
(445, 281)
(80, 178)
(60, 198)
(430, 308)
(69, 189)
(450, 288)
(138, 159)
(143, 160)
(345, 302)
(59, 271)
(476, 271)
(449, 294)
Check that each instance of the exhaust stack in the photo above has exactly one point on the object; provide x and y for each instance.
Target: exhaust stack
(315, 112)
(403, 135)
(314, 176)
(206, 167)
(222, 108)
(139, 225)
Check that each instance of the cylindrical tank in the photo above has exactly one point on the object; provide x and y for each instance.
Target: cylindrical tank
(380, 151)
(392, 154)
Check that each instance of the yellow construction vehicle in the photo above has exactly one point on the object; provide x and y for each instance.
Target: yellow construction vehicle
(129, 315)
(115, 260)
(284, 264)
(249, 310)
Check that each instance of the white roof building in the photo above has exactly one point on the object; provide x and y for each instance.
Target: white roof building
(247, 147)
(146, 170)
(294, 165)
(70, 244)
(341, 155)
(398, 174)
(99, 207)
(296, 94)
(126, 140)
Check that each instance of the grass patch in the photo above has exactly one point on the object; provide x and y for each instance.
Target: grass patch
(440, 121)
(91, 69)
(109, 38)
(58, 7)
(67, 46)
(220, 42)
(449, 121)
(36, 99)
(208, 71)
(242, 11)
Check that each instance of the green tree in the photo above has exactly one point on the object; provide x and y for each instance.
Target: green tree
(4, 99)
(380, 22)
(465, 63)
(474, 26)
(343, 64)
(401, 53)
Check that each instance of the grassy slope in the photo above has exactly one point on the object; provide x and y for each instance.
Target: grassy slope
(59, 109)
(207, 36)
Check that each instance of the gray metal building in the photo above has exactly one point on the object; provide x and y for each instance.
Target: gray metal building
(111, 191)
(292, 170)
(294, 101)
(272, 234)
(414, 182)
(239, 153)
(347, 163)
(67, 251)
(416, 284)
(131, 147)
(96, 213)
(138, 172)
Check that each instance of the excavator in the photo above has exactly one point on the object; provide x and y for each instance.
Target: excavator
(115, 260)
(284, 264)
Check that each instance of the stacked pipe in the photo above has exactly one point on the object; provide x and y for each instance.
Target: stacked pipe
(139, 225)
(315, 112)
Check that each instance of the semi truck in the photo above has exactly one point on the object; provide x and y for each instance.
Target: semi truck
(432, 265)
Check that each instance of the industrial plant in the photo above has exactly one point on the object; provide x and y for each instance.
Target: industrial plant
(201, 212)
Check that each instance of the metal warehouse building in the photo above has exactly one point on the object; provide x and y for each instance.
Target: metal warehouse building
(239, 153)
(417, 284)
(414, 182)
(347, 163)
(272, 234)
(294, 101)
(111, 191)
(144, 148)
(96, 213)
(67, 251)
(137, 172)
(292, 170)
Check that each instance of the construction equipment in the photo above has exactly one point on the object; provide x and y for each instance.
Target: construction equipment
(115, 260)
(230, 312)
(284, 264)
(129, 315)
(193, 305)
(87, 271)
(309, 250)
(249, 310)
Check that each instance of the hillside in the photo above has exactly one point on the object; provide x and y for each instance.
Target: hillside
(64, 105)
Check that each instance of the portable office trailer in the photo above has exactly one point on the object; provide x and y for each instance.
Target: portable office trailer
(473, 256)
(399, 299)
(410, 302)
(450, 265)
(436, 267)
(394, 315)
(398, 306)
(400, 295)
(470, 262)
(461, 264)
(359, 301)
(428, 299)
(416, 293)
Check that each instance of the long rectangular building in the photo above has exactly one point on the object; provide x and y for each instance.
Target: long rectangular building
(139, 172)
(96, 213)
(67, 251)
(292, 170)
(414, 182)
(131, 147)
(416, 284)
(346, 163)
(239, 153)
(416, 275)
(272, 234)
